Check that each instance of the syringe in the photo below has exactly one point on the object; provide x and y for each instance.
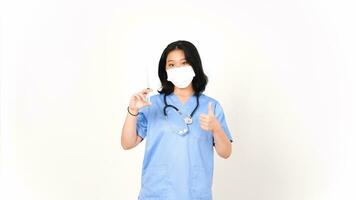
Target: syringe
(148, 85)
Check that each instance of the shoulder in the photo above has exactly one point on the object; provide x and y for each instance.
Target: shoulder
(206, 99)
(217, 107)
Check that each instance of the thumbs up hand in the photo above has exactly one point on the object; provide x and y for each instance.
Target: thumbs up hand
(208, 121)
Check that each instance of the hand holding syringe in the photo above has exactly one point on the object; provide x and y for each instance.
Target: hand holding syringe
(137, 100)
(142, 98)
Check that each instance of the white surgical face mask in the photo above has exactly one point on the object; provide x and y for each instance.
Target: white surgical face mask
(181, 76)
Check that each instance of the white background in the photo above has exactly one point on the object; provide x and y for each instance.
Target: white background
(282, 70)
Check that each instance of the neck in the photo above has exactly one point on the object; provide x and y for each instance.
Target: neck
(184, 92)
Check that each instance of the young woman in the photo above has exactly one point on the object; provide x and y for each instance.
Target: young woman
(181, 126)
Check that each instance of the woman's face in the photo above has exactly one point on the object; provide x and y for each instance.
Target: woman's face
(176, 58)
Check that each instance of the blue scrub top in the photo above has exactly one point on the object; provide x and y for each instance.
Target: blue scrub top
(177, 167)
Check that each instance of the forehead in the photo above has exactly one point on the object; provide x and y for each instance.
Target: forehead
(176, 55)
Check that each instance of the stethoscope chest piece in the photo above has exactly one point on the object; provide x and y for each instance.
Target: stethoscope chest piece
(183, 132)
(188, 120)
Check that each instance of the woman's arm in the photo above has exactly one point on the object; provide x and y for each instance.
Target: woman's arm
(129, 137)
(222, 142)
(209, 122)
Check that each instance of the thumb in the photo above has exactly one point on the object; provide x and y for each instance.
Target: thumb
(210, 109)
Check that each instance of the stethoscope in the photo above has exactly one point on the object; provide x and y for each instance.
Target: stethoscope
(188, 119)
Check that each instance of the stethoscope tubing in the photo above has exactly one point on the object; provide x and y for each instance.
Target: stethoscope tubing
(166, 105)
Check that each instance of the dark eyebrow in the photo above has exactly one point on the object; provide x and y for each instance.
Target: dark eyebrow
(173, 60)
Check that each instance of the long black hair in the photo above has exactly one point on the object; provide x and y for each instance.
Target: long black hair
(200, 80)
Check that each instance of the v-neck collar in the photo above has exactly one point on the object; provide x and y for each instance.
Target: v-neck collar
(176, 99)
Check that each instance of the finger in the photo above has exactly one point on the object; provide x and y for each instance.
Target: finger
(143, 97)
(138, 97)
(202, 116)
(146, 91)
(204, 120)
(204, 127)
(147, 103)
(207, 118)
(210, 109)
(204, 123)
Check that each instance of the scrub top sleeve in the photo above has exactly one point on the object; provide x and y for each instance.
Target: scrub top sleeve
(219, 114)
(141, 123)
